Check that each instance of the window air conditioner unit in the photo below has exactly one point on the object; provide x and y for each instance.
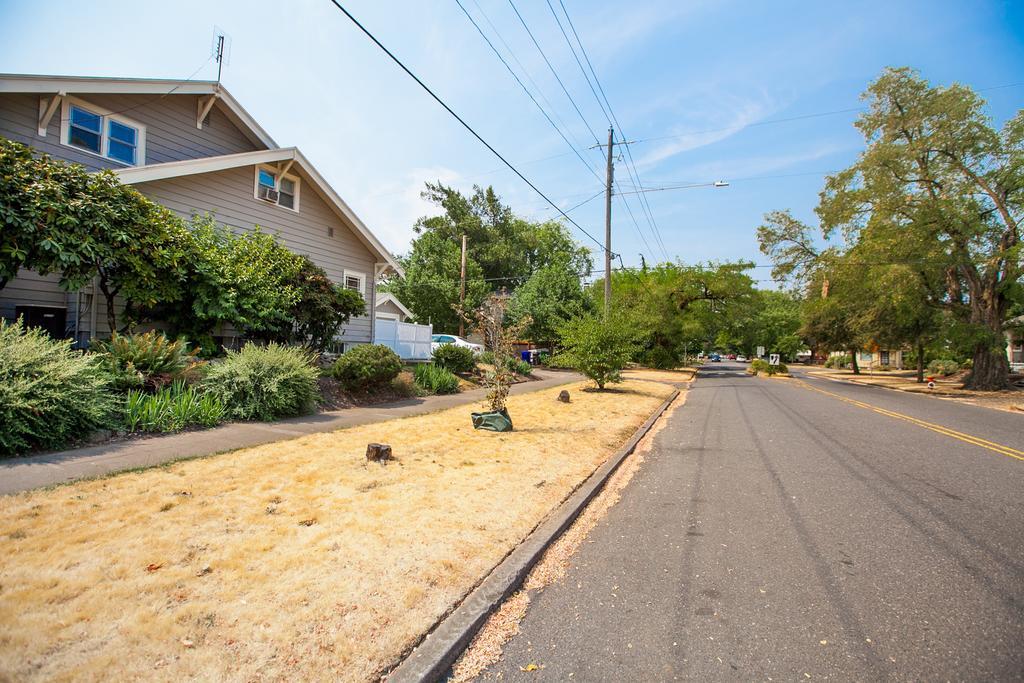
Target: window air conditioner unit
(268, 194)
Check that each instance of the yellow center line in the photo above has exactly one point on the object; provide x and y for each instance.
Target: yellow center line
(967, 438)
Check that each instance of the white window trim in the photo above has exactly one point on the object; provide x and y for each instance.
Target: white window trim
(277, 174)
(65, 129)
(346, 274)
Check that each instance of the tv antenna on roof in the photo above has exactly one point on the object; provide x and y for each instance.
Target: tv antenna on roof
(220, 49)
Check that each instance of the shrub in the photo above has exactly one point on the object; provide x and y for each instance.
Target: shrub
(486, 357)
(759, 365)
(596, 347)
(943, 366)
(49, 393)
(264, 382)
(365, 366)
(149, 360)
(435, 379)
(171, 408)
(660, 358)
(520, 367)
(454, 358)
(884, 368)
(840, 361)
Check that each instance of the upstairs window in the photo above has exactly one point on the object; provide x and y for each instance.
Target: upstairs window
(122, 142)
(283, 192)
(86, 130)
(356, 281)
(102, 133)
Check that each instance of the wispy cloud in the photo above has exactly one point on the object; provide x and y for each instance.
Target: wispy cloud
(719, 118)
(752, 166)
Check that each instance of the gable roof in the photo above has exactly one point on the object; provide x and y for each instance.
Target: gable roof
(159, 87)
(176, 169)
(387, 297)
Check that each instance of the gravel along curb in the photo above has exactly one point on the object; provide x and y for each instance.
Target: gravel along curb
(431, 660)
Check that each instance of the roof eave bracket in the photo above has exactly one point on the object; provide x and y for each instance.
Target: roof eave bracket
(203, 107)
(47, 108)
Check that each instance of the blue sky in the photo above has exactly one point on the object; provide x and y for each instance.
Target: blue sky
(713, 74)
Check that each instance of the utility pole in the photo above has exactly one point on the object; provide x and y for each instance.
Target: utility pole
(609, 179)
(462, 292)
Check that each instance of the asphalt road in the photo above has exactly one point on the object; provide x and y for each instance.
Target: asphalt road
(777, 532)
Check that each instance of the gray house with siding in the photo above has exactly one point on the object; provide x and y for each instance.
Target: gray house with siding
(190, 146)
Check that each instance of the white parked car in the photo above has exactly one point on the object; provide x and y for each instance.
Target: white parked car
(439, 339)
(741, 359)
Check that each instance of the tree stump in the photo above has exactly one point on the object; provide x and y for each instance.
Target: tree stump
(378, 452)
(563, 396)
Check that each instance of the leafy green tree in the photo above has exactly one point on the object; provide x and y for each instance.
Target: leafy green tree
(321, 308)
(503, 252)
(550, 296)
(59, 218)
(937, 170)
(248, 280)
(598, 348)
(430, 287)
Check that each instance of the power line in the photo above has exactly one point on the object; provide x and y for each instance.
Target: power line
(528, 93)
(553, 72)
(526, 72)
(631, 164)
(458, 118)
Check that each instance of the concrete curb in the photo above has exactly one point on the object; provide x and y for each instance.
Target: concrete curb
(437, 652)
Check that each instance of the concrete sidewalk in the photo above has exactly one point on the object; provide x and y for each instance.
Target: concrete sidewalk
(21, 474)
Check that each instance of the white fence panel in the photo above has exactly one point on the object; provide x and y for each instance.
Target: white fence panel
(409, 341)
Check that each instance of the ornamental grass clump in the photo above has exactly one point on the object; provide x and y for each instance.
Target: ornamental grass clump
(264, 382)
(49, 393)
(171, 409)
(435, 380)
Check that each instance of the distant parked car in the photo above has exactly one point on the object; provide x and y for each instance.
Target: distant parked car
(438, 339)
(715, 358)
(731, 356)
(741, 359)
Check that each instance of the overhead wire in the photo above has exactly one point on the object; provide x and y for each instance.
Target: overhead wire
(527, 91)
(610, 115)
(462, 121)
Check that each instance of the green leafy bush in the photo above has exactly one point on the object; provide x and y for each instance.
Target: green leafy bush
(840, 361)
(365, 366)
(49, 393)
(759, 365)
(454, 358)
(148, 360)
(486, 357)
(660, 358)
(598, 348)
(520, 367)
(264, 382)
(943, 366)
(435, 379)
(172, 408)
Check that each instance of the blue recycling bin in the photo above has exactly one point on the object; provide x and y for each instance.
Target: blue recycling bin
(525, 355)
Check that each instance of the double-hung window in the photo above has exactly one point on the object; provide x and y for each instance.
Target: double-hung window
(356, 281)
(103, 133)
(283, 192)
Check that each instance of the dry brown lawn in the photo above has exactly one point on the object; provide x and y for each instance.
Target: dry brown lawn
(290, 561)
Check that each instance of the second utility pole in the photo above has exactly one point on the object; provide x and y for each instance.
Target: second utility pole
(462, 292)
(608, 227)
